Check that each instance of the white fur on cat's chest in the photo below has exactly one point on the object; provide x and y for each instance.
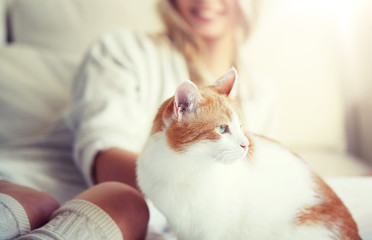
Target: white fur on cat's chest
(202, 198)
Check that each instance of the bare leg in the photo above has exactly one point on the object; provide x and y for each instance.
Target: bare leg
(38, 205)
(123, 204)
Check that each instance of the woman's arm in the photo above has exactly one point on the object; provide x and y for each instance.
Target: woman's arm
(104, 103)
(109, 113)
(116, 164)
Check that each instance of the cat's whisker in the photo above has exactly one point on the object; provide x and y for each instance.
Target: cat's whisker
(225, 156)
(249, 154)
(218, 156)
(228, 155)
(221, 157)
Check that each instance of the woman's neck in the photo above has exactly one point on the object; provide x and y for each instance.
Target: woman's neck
(220, 55)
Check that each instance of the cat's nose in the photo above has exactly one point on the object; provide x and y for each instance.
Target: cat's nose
(244, 143)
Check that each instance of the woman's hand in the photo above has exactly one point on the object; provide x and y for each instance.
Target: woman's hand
(116, 164)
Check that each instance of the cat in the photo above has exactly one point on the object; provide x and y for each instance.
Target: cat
(213, 181)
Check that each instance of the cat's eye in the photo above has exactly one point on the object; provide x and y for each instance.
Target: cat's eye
(222, 129)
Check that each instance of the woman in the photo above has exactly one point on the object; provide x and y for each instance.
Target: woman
(121, 83)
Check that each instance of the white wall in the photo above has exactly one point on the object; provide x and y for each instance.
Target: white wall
(320, 54)
(358, 77)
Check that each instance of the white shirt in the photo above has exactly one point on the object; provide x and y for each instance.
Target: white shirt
(121, 84)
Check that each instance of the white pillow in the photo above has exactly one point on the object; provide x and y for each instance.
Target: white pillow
(71, 25)
(35, 86)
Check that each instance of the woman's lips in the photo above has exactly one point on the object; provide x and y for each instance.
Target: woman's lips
(206, 15)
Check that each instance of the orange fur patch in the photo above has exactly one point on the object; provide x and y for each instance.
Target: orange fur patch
(165, 112)
(196, 126)
(330, 212)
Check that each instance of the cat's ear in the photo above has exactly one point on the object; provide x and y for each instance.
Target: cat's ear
(228, 83)
(186, 99)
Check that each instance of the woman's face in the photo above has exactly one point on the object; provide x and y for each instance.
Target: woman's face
(210, 19)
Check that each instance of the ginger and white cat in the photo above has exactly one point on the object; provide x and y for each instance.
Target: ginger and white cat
(214, 182)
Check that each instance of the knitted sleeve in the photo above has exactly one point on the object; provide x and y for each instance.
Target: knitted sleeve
(106, 108)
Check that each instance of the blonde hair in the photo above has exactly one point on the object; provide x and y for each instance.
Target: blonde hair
(180, 34)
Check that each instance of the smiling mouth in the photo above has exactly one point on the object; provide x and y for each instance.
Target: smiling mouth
(206, 15)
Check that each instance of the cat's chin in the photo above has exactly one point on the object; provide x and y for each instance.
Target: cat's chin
(231, 159)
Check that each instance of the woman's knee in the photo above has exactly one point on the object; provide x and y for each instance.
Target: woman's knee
(38, 205)
(125, 205)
